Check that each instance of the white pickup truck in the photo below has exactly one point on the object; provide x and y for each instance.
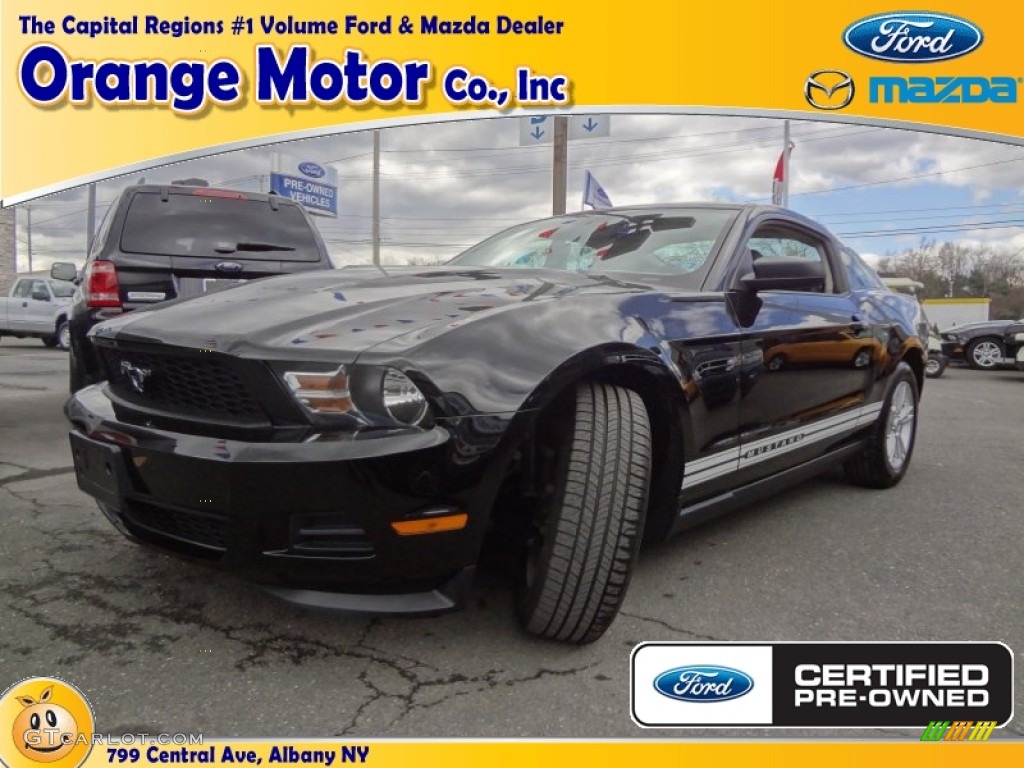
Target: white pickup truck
(38, 307)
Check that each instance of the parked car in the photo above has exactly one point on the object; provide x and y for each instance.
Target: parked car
(571, 385)
(159, 243)
(1013, 343)
(980, 345)
(37, 308)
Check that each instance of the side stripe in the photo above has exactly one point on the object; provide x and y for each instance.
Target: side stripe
(722, 463)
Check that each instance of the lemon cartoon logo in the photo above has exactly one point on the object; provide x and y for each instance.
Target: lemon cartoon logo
(50, 722)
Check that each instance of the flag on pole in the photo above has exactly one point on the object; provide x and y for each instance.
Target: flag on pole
(779, 180)
(594, 194)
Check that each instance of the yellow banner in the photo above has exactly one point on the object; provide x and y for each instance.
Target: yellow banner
(91, 88)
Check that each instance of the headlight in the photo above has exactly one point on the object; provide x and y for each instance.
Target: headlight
(370, 395)
(402, 399)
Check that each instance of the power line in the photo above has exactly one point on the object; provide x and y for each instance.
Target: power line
(908, 178)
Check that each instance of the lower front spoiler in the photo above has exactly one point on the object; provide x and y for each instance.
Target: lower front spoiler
(448, 597)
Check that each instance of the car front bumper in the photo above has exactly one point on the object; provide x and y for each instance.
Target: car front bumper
(954, 350)
(310, 521)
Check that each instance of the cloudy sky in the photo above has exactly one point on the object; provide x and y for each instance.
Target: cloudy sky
(447, 186)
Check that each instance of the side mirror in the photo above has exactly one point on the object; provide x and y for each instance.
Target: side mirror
(64, 270)
(785, 275)
(40, 294)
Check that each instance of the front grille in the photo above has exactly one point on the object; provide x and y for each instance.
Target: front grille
(205, 529)
(189, 382)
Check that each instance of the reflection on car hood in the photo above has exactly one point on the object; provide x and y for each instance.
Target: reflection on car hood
(980, 325)
(351, 309)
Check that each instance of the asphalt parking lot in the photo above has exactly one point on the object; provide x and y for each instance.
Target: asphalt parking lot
(159, 645)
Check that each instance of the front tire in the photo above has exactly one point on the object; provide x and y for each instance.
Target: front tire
(581, 554)
(984, 353)
(886, 456)
(935, 367)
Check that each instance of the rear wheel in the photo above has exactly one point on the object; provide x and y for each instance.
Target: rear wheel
(984, 353)
(63, 337)
(886, 456)
(582, 546)
(76, 375)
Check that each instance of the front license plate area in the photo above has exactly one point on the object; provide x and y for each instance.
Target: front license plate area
(100, 469)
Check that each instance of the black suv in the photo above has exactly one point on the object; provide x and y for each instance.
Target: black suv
(159, 243)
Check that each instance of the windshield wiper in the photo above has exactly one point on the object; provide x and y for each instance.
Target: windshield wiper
(248, 246)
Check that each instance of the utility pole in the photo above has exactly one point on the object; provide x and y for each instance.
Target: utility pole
(559, 164)
(376, 196)
(28, 235)
(91, 223)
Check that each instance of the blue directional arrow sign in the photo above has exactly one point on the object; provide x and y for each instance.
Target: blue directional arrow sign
(536, 130)
(589, 126)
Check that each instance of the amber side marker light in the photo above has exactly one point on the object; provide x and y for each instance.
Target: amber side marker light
(430, 524)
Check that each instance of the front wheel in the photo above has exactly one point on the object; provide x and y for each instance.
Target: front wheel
(935, 367)
(886, 455)
(984, 353)
(585, 539)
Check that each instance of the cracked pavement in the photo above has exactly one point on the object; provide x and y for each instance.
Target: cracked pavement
(163, 645)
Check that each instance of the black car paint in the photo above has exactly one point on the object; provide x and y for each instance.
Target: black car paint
(492, 349)
(161, 274)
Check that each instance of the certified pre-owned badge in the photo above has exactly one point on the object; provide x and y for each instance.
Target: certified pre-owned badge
(829, 89)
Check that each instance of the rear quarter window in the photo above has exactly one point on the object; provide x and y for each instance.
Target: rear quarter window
(192, 225)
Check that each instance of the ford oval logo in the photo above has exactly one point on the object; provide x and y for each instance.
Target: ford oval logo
(228, 266)
(312, 170)
(703, 684)
(912, 37)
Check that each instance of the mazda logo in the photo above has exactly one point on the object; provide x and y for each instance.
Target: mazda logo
(136, 375)
(829, 89)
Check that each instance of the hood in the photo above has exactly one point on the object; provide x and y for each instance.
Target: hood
(980, 325)
(318, 314)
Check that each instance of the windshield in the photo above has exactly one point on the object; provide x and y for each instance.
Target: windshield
(196, 225)
(669, 242)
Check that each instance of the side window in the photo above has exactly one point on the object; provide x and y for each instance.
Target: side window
(23, 289)
(861, 276)
(774, 241)
(39, 287)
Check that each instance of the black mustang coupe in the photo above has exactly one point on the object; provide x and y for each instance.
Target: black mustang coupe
(571, 386)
